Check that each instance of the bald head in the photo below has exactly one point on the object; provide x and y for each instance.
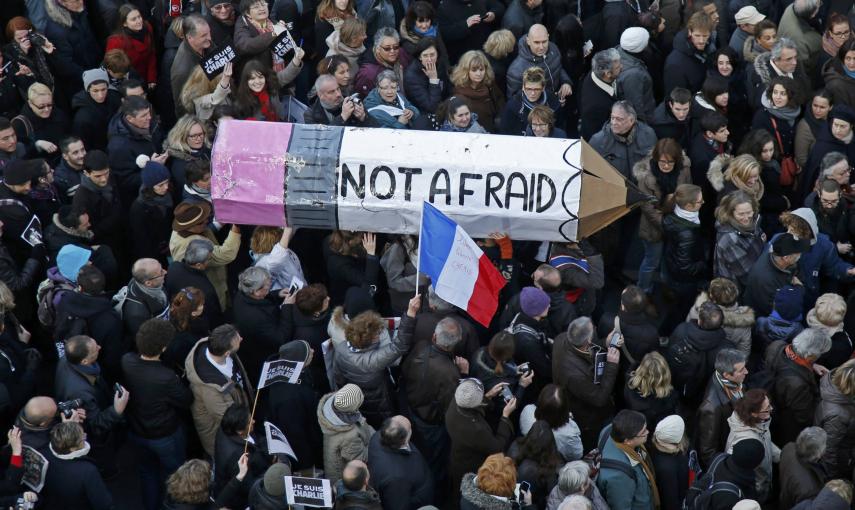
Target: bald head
(146, 272)
(40, 411)
(395, 432)
(355, 475)
(538, 40)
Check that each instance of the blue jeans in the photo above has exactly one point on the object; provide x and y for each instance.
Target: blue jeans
(158, 459)
(650, 265)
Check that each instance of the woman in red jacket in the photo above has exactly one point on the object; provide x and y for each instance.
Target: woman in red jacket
(134, 37)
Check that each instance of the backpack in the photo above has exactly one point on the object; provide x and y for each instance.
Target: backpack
(700, 494)
(47, 295)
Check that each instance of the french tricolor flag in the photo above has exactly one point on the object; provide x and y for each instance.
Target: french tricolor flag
(460, 271)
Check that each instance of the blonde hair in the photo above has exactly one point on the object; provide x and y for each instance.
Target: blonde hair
(740, 169)
(830, 309)
(264, 239)
(500, 44)
(534, 74)
(651, 377)
(472, 59)
(7, 298)
(177, 138)
(350, 28)
(38, 89)
(189, 483)
(842, 488)
(327, 10)
(843, 378)
(685, 194)
(196, 86)
(724, 211)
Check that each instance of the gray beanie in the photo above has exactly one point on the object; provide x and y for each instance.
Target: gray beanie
(274, 479)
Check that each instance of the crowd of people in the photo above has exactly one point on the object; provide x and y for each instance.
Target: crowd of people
(693, 354)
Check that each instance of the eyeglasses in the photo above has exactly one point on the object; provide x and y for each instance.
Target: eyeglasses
(196, 136)
(221, 7)
(388, 87)
(845, 33)
(644, 432)
(41, 107)
(394, 47)
(830, 202)
(665, 162)
(161, 275)
(539, 125)
(533, 89)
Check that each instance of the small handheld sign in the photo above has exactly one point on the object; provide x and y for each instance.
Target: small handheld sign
(315, 492)
(214, 63)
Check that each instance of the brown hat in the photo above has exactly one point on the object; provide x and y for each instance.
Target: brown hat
(191, 217)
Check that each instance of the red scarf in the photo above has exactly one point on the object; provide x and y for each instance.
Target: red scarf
(798, 360)
(266, 108)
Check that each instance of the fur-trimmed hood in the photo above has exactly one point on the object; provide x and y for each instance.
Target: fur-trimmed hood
(480, 499)
(763, 67)
(644, 174)
(715, 173)
(83, 234)
(57, 13)
(735, 316)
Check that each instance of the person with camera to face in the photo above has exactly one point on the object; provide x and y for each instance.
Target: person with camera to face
(332, 109)
(78, 376)
(39, 415)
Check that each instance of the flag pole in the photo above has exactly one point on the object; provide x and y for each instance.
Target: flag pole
(251, 417)
(419, 259)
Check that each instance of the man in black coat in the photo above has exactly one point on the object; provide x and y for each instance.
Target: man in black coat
(99, 198)
(331, 109)
(293, 408)
(439, 309)
(783, 60)
(599, 92)
(465, 25)
(18, 365)
(72, 479)
(145, 298)
(692, 352)
(77, 48)
(70, 226)
(399, 472)
(686, 65)
(78, 376)
(190, 272)
(67, 174)
(724, 388)
(671, 118)
(36, 419)
(133, 132)
(775, 268)
(154, 415)
(258, 319)
(93, 108)
(531, 344)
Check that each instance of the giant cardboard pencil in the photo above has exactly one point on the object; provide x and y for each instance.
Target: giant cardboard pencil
(313, 176)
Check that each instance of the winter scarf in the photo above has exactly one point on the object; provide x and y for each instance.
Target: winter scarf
(731, 389)
(528, 105)
(36, 61)
(106, 191)
(431, 32)
(93, 370)
(145, 133)
(162, 202)
(816, 126)
(139, 35)
(693, 216)
(267, 109)
(787, 113)
(667, 181)
(640, 456)
(156, 294)
(795, 358)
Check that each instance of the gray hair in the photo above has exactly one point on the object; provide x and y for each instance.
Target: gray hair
(783, 43)
(830, 160)
(323, 79)
(448, 333)
(811, 443)
(198, 251)
(143, 270)
(811, 343)
(603, 62)
(192, 23)
(252, 279)
(383, 33)
(573, 477)
(805, 8)
(386, 74)
(436, 303)
(727, 359)
(576, 502)
(580, 331)
(626, 107)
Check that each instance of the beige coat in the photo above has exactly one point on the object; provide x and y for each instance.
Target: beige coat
(220, 258)
(211, 400)
(343, 442)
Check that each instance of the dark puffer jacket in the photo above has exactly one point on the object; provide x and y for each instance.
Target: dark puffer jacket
(77, 49)
(835, 413)
(685, 66)
(550, 63)
(367, 367)
(124, 147)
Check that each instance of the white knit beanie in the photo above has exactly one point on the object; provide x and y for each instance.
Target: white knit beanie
(670, 430)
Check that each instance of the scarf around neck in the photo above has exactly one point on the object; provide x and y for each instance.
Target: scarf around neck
(138, 35)
(795, 358)
(694, 217)
(106, 191)
(157, 294)
(731, 389)
(667, 181)
(431, 32)
(640, 456)
(266, 108)
(829, 45)
(787, 113)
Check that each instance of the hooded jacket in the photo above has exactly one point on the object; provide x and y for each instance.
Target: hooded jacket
(739, 431)
(738, 322)
(821, 260)
(550, 63)
(343, 442)
(835, 413)
(772, 328)
(808, 40)
(840, 84)
(636, 84)
(213, 393)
